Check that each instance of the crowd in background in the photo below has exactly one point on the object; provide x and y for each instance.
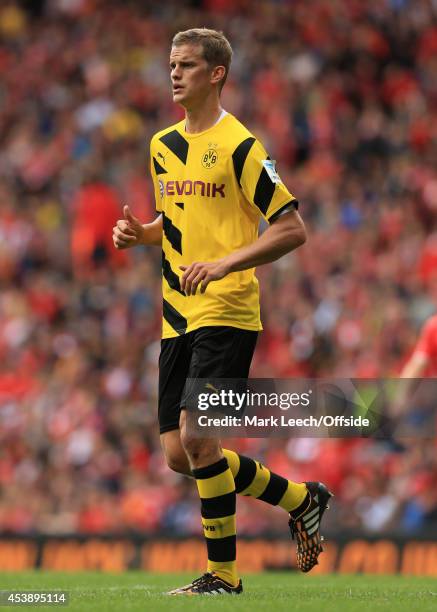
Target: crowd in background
(343, 94)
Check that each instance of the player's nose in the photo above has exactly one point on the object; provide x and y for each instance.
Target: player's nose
(175, 74)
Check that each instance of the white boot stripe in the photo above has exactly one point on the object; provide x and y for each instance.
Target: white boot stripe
(310, 514)
(313, 529)
(311, 521)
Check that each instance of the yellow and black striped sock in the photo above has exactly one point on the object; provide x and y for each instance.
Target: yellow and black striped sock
(217, 496)
(254, 479)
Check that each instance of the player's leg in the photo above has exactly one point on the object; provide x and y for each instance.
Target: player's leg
(217, 353)
(216, 489)
(212, 350)
(254, 479)
(213, 477)
(174, 363)
(305, 502)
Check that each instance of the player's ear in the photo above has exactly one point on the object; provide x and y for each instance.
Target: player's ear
(217, 74)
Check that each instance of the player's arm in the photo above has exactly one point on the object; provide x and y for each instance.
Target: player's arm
(285, 234)
(419, 360)
(130, 232)
(413, 369)
(415, 366)
(282, 236)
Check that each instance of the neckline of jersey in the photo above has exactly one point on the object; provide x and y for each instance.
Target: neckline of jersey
(216, 124)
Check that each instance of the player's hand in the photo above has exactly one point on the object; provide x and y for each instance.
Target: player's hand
(128, 232)
(202, 273)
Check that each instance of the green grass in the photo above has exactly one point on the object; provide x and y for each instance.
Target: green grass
(139, 591)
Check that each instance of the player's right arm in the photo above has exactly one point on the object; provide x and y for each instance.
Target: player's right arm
(415, 366)
(423, 352)
(413, 369)
(130, 232)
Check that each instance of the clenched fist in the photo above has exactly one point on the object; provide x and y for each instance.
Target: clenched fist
(128, 232)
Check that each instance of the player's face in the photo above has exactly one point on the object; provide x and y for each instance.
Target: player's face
(190, 75)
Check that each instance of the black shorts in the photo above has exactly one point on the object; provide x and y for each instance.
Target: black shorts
(208, 352)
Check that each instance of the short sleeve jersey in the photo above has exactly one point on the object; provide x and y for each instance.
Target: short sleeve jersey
(427, 344)
(212, 188)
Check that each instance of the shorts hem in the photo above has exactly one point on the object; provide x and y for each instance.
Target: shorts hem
(212, 323)
(165, 428)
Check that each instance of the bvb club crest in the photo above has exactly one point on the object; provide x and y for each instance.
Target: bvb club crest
(210, 157)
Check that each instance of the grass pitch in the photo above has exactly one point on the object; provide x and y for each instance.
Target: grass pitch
(138, 591)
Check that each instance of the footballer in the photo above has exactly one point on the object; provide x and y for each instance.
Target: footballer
(213, 182)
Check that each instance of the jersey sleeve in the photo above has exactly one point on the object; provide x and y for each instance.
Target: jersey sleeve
(155, 170)
(259, 181)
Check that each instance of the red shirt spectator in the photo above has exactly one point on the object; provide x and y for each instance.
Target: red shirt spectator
(95, 212)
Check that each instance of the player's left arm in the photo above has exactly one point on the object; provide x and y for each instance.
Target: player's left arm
(285, 234)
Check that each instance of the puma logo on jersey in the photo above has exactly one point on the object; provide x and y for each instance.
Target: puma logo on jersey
(161, 156)
(210, 190)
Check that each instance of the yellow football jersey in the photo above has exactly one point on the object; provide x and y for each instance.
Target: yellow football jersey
(212, 189)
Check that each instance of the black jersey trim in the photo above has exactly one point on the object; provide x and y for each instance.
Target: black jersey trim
(170, 276)
(291, 205)
(171, 232)
(158, 168)
(174, 318)
(239, 156)
(177, 145)
(180, 205)
(265, 188)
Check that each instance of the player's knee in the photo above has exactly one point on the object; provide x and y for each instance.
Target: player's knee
(174, 453)
(194, 447)
(198, 450)
(178, 464)
(189, 443)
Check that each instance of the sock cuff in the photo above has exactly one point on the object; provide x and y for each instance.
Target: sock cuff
(211, 470)
(304, 505)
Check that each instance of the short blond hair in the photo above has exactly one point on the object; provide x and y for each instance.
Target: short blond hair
(217, 50)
